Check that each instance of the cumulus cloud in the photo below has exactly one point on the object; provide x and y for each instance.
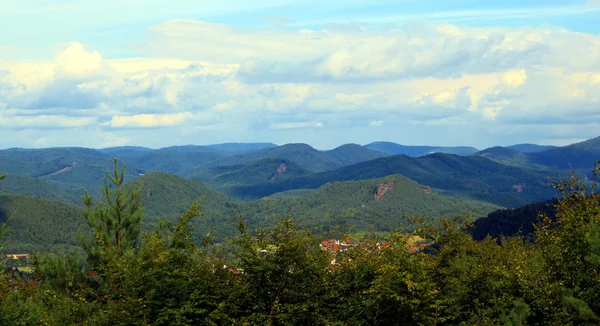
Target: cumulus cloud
(76, 60)
(149, 120)
(201, 76)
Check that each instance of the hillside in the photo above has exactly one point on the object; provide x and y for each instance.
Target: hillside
(383, 204)
(240, 147)
(180, 160)
(505, 155)
(168, 196)
(33, 187)
(349, 154)
(416, 151)
(302, 154)
(307, 157)
(255, 172)
(72, 169)
(338, 203)
(464, 176)
(530, 148)
(40, 224)
(509, 222)
(580, 156)
(123, 151)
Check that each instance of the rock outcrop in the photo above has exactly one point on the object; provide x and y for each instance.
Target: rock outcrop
(382, 189)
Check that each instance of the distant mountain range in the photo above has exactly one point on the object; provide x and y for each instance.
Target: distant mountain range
(384, 204)
(261, 182)
(578, 156)
(415, 151)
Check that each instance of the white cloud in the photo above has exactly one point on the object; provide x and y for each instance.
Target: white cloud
(201, 76)
(295, 125)
(150, 120)
(45, 121)
(76, 60)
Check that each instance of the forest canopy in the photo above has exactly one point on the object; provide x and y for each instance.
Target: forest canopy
(286, 275)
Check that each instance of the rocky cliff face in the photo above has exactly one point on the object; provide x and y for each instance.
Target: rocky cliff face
(382, 189)
(280, 170)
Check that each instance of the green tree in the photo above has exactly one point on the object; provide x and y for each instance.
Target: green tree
(115, 221)
(571, 248)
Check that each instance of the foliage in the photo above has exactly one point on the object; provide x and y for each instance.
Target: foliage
(472, 177)
(285, 274)
(115, 221)
(33, 187)
(39, 224)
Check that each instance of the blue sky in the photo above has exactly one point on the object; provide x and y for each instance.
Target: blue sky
(158, 73)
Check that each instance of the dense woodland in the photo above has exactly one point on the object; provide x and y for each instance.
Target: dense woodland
(280, 275)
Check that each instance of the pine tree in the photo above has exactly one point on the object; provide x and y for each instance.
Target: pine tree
(115, 221)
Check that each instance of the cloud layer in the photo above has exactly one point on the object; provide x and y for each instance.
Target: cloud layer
(202, 82)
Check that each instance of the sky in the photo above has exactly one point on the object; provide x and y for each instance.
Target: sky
(156, 73)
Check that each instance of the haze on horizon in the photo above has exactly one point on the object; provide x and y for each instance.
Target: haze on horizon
(160, 73)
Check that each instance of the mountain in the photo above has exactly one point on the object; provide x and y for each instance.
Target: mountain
(505, 155)
(349, 154)
(416, 151)
(579, 156)
(302, 154)
(39, 224)
(530, 148)
(180, 160)
(307, 157)
(33, 187)
(509, 222)
(258, 171)
(240, 147)
(72, 169)
(168, 196)
(385, 203)
(472, 177)
(122, 151)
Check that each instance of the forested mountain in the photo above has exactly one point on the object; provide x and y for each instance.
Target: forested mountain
(286, 274)
(514, 179)
(302, 154)
(415, 151)
(72, 169)
(469, 176)
(530, 148)
(124, 151)
(40, 225)
(514, 221)
(168, 196)
(382, 204)
(175, 160)
(33, 187)
(254, 172)
(505, 155)
(349, 154)
(240, 147)
(578, 156)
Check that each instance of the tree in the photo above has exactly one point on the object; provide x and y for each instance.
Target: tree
(115, 220)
